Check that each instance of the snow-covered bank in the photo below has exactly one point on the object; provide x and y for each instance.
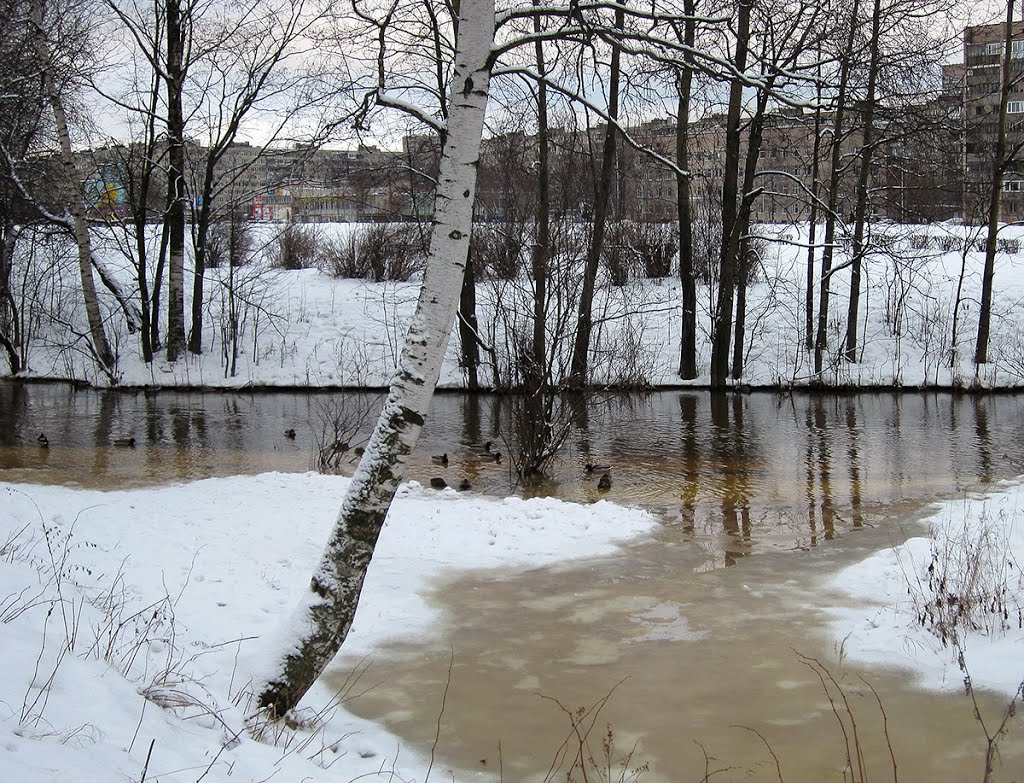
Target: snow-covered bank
(305, 328)
(968, 563)
(177, 588)
(170, 595)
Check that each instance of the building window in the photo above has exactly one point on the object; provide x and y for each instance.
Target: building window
(1013, 186)
(1015, 107)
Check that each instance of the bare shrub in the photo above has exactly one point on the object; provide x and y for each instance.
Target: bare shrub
(391, 251)
(707, 244)
(336, 422)
(228, 241)
(617, 255)
(970, 584)
(577, 761)
(1008, 245)
(919, 241)
(496, 249)
(296, 247)
(339, 257)
(378, 252)
(654, 245)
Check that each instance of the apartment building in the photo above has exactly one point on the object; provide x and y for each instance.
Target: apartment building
(981, 81)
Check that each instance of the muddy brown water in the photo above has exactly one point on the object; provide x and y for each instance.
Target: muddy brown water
(696, 632)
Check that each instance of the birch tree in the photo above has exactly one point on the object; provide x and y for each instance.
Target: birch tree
(324, 617)
(322, 620)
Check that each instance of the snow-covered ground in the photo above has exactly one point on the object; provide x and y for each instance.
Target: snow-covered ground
(306, 328)
(171, 597)
(132, 621)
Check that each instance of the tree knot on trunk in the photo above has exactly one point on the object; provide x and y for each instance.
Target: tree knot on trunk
(467, 88)
(456, 235)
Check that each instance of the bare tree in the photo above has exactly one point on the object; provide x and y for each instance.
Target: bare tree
(22, 121)
(721, 334)
(835, 175)
(244, 54)
(602, 200)
(687, 278)
(75, 204)
(1000, 159)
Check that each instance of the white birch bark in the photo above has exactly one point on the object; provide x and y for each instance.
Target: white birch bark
(321, 622)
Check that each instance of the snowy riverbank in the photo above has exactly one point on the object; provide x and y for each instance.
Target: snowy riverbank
(305, 328)
(170, 595)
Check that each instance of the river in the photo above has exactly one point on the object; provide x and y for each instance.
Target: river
(697, 632)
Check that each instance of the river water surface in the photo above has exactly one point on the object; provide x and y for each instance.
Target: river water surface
(697, 631)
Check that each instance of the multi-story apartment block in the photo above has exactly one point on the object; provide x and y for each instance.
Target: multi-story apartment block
(981, 86)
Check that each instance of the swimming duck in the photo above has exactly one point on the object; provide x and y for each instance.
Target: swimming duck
(481, 448)
(465, 485)
(491, 456)
(440, 459)
(596, 468)
(438, 483)
(43, 441)
(605, 482)
(125, 443)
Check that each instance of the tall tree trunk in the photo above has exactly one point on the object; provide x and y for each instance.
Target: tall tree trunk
(996, 199)
(468, 326)
(175, 216)
(201, 220)
(687, 281)
(722, 331)
(579, 363)
(838, 129)
(325, 615)
(861, 214)
(755, 133)
(76, 207)
(158, 279)
(10, 320)
(812, 219)
(741, 310)
(542, 244)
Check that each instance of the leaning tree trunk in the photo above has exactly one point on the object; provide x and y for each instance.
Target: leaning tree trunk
(325, 614)
(100, 346)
